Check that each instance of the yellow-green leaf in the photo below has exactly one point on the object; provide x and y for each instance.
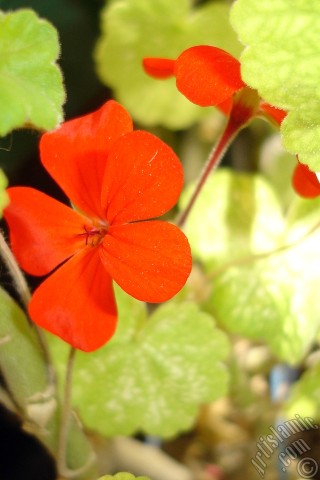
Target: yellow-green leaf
(236, 214)
(141, 378)
(282, 61)
(31, 88)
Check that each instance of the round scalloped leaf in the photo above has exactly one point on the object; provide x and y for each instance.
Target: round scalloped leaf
(122, 476)
(134, 29)
(276, 294)
(282, 61)
(31, 89)
(236, 214)
(154, 378)
(273, 305)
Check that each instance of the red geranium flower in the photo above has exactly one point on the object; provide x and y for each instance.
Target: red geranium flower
(119, 180)
(209, 76)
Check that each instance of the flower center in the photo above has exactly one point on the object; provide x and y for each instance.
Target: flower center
(94, 234)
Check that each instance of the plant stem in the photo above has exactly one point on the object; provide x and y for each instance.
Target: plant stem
(245, 107)
(24, 293)
(65, 416)
(15, 272)
(231, 131)
(63, 470)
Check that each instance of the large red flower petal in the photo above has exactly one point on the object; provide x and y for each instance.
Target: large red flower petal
(43, 231)
(160, 68)
(143, 179)
(305, 182)
(149, 260)
(77, 302)
(76, 153)
(226, 106)
(207, 75)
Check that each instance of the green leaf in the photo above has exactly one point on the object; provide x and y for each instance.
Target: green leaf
(31, 89)
(303, 232)
(4, 199)
(22, 362)
(25, 373)
(282, 61)
(236, 214)
(139, 380)
(267, 302)
(273, 159)
(134, 29)
(303, 216)
(122, 476)
(304, 398)
(273, 297)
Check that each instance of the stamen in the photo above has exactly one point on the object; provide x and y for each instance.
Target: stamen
(93, 234)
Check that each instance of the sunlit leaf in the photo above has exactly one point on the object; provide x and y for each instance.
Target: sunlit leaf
(282, 61)
(267, 302)
(272, 298)
(236, 214)
(303, 216)
(273, 160)
(133, 29)
(303, 231)
(31, 89)
(153, 378)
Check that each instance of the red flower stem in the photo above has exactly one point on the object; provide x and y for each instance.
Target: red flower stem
(231, 131)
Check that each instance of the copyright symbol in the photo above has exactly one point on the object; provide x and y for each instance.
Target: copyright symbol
(307, 467)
